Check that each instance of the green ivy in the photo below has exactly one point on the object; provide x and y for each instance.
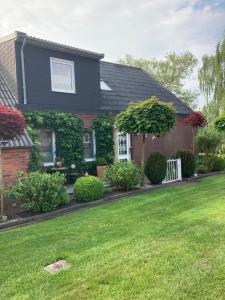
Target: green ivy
(68, 131)
(35, 161)
(103, 126)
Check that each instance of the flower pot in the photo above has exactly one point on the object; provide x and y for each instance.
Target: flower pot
(101, 171)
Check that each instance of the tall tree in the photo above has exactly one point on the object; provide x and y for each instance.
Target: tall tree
(147, 117)
(212, 81)
(171, 72)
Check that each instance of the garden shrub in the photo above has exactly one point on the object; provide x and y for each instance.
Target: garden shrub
(40, 192)
(208, 141)
(155, 168)
(219, 164)
(87, 166)
(188, 162)
(211, 163)
(123, 175)
(88, 188)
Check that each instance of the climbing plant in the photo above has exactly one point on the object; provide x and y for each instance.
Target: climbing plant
(68, 132)
(103, 126)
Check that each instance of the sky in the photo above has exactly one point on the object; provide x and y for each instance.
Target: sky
(142, 28)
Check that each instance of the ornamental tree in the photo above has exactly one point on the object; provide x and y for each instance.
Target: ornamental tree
(219, 123)
(147, 117)
(195, 120)
(12, 124)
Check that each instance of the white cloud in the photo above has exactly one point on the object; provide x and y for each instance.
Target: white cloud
(144, 28)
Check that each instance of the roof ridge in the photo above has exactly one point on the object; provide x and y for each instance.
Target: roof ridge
(118, 64)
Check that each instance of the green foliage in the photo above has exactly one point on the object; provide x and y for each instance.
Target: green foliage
(212, 80)
(150, 116)
(123, 175)
(171, 72)
(40, 192)
(188, 162)
(155, 168)
(210, 163)
(208, 141)
(103, 126)
(219, 123)
(87, 166)
(35, 161)
(88, 188)
(68, 131)
(219, 164)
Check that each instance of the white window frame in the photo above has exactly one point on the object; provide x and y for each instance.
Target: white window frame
(65, 62)
(94, 148)
(104, 86)
(51, 163)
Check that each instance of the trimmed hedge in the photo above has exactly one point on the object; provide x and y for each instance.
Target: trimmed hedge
(188, 163)
(88, 188)
(123, 175)
(155, 168)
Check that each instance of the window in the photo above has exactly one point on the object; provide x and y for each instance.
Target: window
(89, 145)
(62, 75)
(104, 86)
(46, 140)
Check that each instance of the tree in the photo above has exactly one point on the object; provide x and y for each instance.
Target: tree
(171, 72)
(219, 123)
(195, 120)
(212, 80)
(12, 124)
(147, 117)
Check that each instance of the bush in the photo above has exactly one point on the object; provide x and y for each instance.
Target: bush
(87, 166)
(40, 192)
(219, 164)
(208, 141)
(188, 163)
(88, 188)
(155, 168)
(123, 175)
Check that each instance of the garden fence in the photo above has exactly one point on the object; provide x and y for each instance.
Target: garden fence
(173, 172)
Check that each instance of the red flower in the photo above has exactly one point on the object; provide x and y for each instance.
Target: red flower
(195, 119)
(12, 123)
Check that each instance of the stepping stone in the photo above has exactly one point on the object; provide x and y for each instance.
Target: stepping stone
(57, 266)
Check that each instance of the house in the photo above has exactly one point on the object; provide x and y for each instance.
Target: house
(39, 75)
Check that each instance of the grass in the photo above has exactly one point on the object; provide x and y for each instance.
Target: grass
(168, 244)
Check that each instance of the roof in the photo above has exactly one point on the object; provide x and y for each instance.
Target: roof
(17, 35)
(7, 98)
(130, 84)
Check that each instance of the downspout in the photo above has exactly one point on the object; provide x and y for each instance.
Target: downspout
(23, 71)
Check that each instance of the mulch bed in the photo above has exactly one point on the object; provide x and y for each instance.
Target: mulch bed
(18, 216)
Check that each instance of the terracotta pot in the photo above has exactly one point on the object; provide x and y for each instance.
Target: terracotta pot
(101, 171)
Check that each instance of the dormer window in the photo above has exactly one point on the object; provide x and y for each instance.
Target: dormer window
(104, 86)
(62, 75)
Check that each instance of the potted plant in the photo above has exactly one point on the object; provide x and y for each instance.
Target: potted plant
(101, 166)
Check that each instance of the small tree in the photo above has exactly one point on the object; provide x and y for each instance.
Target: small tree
(147, 117)
(12, 124)
(195, 120)
(219, 123)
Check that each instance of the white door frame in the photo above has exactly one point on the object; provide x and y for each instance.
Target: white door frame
(127, 155)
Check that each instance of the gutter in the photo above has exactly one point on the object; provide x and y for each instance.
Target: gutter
(23, 71)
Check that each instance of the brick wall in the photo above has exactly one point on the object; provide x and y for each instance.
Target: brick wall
(180, 138)
(14, 160)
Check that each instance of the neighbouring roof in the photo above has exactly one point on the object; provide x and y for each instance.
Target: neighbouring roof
(130, 84)
(17, 35)
(8, 99)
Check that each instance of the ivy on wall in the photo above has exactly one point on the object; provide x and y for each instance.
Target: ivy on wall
(103, 126)
(68, 131)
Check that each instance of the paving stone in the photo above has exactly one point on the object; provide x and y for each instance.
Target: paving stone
(57, 266)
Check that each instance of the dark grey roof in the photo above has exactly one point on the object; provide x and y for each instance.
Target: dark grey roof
(17, 35)
(130, 84)
(7, 98)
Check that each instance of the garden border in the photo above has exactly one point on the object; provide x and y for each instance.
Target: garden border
(16, 223)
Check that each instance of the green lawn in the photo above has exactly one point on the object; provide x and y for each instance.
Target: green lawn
(168, 244)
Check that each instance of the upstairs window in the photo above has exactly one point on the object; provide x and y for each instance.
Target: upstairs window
(89, 145)
(46, 139)
(62, 75)
(104, 86)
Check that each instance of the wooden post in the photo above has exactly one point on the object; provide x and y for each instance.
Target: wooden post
(143, 160)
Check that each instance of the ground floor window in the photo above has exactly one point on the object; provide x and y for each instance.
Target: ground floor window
(89, 145)
(46, 139)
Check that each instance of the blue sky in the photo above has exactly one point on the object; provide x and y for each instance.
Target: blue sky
(144, 28)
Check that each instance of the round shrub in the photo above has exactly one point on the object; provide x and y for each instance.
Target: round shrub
(40, 192)
(188, 163)
(155, 168)
(88, 188)
(123, 175)
(219, 164)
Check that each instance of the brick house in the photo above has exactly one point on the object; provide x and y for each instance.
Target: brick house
(40, 75)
